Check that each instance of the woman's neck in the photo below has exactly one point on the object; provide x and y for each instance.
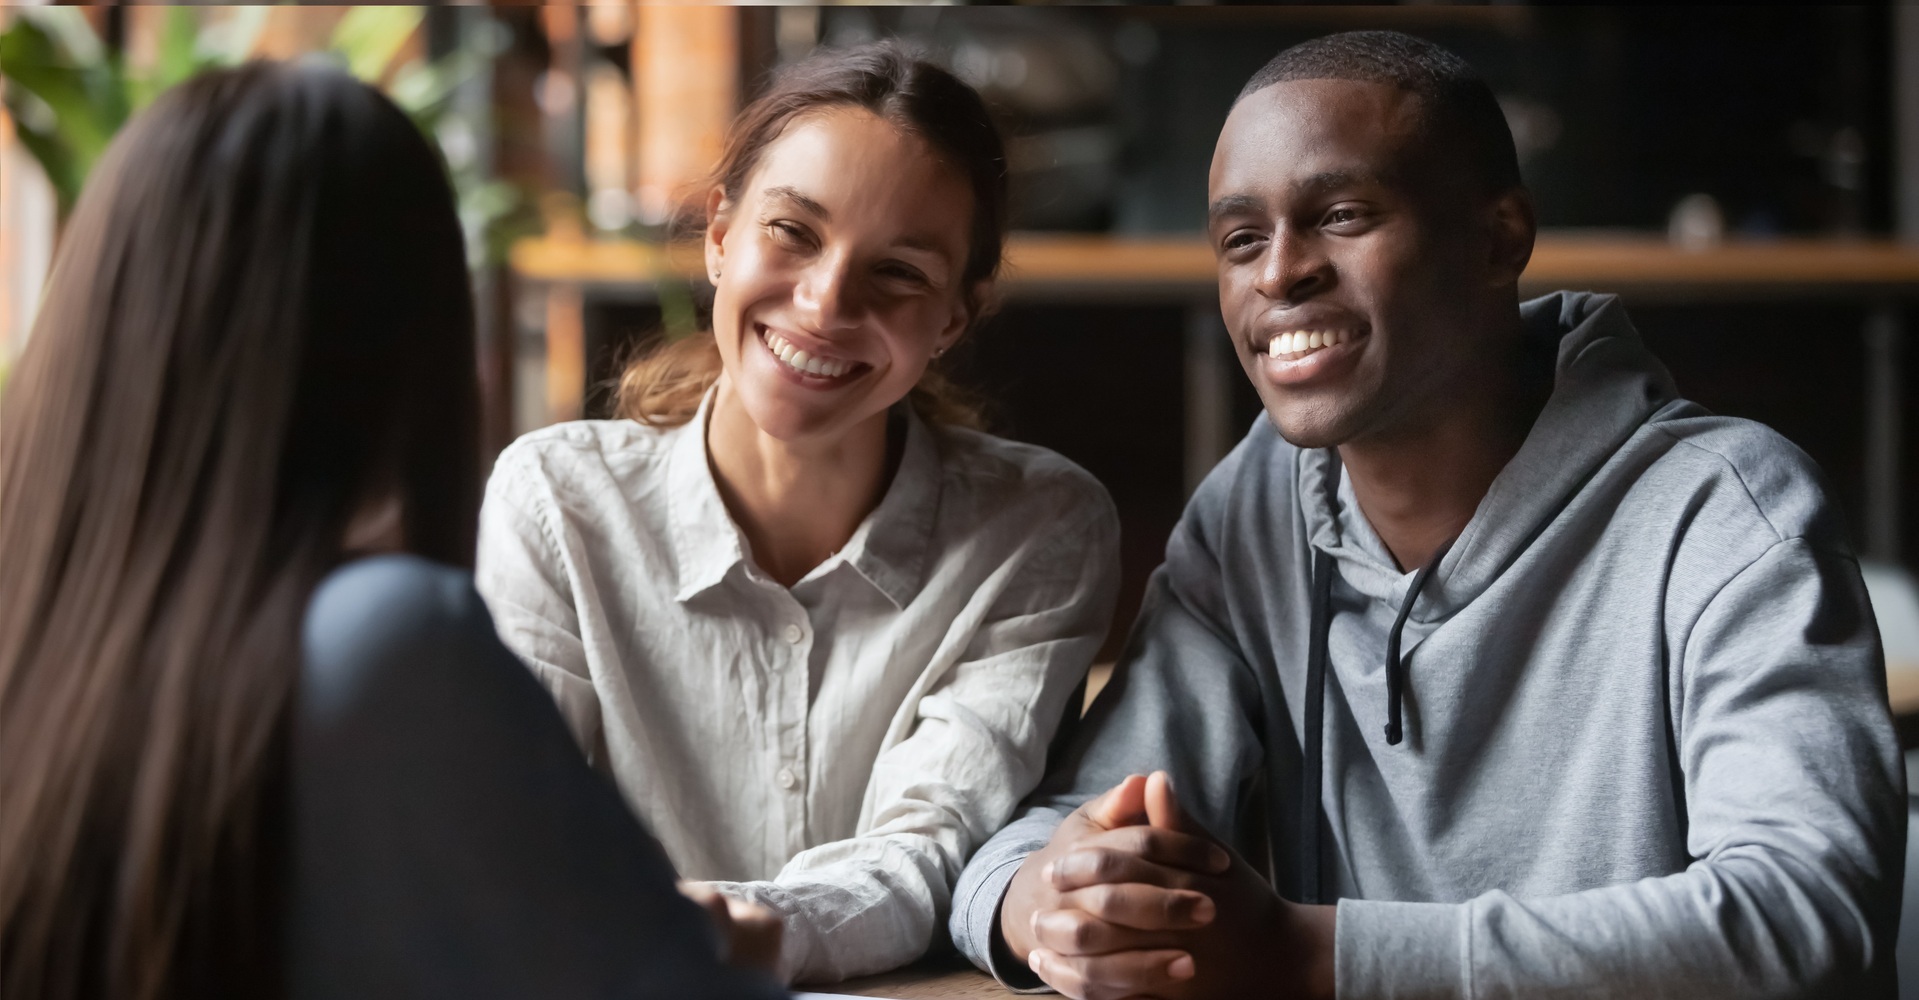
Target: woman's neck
(797, 502)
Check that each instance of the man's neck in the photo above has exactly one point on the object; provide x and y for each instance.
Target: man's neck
(797, 502)
(1419, 484)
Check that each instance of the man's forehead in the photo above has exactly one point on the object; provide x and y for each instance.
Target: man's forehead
(1331, 100)
(1310, 133)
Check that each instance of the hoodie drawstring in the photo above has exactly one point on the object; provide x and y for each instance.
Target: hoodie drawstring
(1315, 729)
(1312, 764)
(1395, 670)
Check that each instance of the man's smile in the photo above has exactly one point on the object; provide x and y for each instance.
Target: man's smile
(1301, 355)
(1300, 343)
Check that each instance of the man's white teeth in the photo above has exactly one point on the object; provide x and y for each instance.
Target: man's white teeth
(1301, 341)
(799, 360)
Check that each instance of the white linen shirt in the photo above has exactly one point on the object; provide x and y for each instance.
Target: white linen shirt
(834, 751)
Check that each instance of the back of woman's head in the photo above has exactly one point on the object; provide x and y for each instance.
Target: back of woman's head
(917, 97)
(258, 324)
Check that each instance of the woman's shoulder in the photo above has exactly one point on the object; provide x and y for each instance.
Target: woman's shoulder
(583, 469)
(578, 449)
(1017, 476)
(381, 618)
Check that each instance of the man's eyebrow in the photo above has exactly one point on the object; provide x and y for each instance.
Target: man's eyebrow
(1232, 204)
(1327, 179)
(805, 204)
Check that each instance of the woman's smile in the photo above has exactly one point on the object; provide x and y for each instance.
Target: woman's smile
(812, 367)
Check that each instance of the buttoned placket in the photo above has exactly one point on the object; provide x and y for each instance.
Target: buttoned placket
(791, 652)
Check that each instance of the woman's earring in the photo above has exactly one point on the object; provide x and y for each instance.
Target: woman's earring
(939, 352)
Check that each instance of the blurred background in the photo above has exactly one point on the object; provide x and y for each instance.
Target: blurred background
(1748, 179)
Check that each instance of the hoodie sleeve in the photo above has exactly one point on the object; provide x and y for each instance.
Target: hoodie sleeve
(1793, 789)
(1179, 700)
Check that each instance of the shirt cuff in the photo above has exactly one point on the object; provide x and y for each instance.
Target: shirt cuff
(797, 937)
(975, 925)
(1402, 951)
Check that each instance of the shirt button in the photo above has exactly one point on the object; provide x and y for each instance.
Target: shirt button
(794, 634)
(788, 780)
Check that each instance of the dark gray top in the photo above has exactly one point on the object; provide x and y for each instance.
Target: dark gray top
(1647, 751)
(447, 837)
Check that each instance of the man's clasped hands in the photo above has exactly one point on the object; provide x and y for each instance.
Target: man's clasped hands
(1132, 898)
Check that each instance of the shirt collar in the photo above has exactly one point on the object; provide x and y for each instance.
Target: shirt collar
(888, 549)
(706, 543)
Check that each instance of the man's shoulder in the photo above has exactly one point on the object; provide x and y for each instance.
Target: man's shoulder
(1256, 478)
(1747, 468)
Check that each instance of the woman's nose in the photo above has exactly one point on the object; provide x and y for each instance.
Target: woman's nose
(825, 295)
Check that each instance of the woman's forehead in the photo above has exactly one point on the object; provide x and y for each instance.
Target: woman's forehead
(846, 164)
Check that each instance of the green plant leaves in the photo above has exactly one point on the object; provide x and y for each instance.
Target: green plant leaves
(369, 38)
(68, 95)
(65, 106)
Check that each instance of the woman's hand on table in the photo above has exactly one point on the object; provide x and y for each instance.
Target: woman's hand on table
(749, 933)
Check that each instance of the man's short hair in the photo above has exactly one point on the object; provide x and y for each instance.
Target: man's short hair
(1458, 105)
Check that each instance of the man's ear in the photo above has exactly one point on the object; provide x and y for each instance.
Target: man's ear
(719, 215)
(1513, 226)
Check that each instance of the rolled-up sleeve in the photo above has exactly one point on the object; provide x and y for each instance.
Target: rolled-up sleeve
(974, 746)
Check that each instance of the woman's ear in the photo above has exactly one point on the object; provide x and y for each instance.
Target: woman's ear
(719, 214)
(973, 306)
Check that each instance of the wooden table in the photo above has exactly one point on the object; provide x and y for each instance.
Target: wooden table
(948, 977)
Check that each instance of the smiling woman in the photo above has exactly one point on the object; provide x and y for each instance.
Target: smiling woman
(819, 628)
(918, 101)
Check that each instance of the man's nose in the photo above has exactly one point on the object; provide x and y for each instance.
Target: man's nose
(1294, 268)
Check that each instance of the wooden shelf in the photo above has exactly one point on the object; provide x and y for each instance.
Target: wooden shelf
(1126, 268)
(1902, 688)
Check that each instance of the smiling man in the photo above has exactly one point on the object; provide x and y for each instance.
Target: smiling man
(1500, 669)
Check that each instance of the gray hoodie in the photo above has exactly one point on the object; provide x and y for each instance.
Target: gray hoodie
(1646, 746)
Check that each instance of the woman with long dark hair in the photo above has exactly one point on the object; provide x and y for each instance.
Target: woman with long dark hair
(818, 626)
(237, 758)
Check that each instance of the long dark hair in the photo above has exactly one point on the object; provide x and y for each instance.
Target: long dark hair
(665, 386)
(258, 324)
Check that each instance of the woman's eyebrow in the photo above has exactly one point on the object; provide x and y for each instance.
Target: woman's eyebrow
(921, 241)
(805, 204)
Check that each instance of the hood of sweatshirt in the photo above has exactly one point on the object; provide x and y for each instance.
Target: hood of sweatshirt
(1606, 384)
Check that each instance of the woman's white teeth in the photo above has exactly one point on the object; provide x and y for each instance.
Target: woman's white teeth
(799, 360)
(1304, 340)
